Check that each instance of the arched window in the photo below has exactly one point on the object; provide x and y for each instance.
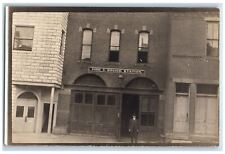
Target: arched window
(86, 44)
(114, 46)
(143, 47)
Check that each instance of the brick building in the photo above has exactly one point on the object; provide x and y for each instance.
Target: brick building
(161, 66)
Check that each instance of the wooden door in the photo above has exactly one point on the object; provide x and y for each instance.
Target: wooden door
(25, 115)
(181, 116)
(206, 116)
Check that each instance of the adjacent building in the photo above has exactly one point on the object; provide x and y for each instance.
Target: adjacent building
(38, 44)
(161, 66)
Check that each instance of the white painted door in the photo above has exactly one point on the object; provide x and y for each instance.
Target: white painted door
(181, 116)
(206, 116)
(25, 115)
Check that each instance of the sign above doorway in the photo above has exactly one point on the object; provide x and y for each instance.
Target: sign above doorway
(116, 70)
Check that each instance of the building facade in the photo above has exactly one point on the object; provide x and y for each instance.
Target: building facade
(38, 42)
(161, 66)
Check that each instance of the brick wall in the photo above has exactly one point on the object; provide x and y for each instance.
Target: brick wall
(44, 63)
(129, 24)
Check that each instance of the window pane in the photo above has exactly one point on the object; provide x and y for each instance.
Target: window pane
(114, 56)
(24, 32)
(19, 111)
(212, 48)
(207, 89)
(21, 44)
(101, 99)
(115, 38)
(216, 31)
(182, 87)
(30, 113)
(142, 57)
(210, 30)
(62, 42)
(147, 118)
(111, 100)
(87, 37)
(143, 40)
(88, 98)
(78, 98)
(86, 53)
(148, 104)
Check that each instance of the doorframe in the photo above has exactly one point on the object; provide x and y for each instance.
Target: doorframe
(121, 104)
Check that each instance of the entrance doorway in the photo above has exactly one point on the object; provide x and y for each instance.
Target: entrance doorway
(130, 105)
(46, 117)
(25, 115)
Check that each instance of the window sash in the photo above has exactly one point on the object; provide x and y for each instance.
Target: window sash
(115, 40)
(86, 44)
(23, 38)
(24, 32)
(87, 37)
(143, 41)
(212, 30)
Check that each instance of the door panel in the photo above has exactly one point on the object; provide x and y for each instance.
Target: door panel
(212, 116)
(206, 115)
(200, 108)
(181, 120)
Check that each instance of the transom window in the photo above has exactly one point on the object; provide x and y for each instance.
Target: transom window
(182, 88)
(23, 38)
(143, 47)
(207, 89)
(86, 44)
(212, 38)
(114, 46)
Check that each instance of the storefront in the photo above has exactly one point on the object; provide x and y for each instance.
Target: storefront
(98, 109)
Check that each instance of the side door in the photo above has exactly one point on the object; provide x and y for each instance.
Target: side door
(181, 116)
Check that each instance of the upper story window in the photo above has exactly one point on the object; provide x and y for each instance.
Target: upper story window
(143, 47)
(23, 38)
(114, 46)
(62, 45)
(86, 44)
(213, 38)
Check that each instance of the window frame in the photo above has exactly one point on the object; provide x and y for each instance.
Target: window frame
(110, 38)
(15, 38)
(62, 43)
(20, 106)
(90, 45)
(139, 48)
(212, 39)
(182, 93)
(152, 111)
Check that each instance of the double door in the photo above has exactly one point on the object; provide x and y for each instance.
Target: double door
(25, 115)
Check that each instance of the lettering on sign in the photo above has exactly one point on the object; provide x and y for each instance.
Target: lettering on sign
(116, 70)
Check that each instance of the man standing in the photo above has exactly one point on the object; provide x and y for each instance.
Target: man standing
(133, 129)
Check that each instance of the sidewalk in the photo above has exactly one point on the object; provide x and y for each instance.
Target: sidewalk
(45, 138)
(69, 138)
